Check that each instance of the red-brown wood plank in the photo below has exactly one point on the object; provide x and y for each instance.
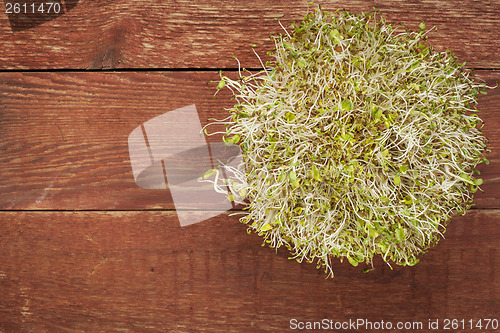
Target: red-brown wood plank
(63, 142)
(138, 271)
(206, 34)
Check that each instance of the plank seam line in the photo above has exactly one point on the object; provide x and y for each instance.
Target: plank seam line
(118, 70)
(153, 210)
(114, 70)
(111, 210)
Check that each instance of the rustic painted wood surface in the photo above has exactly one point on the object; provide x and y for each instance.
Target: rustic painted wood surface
(132, 271)
(83, 249)
(206, 34)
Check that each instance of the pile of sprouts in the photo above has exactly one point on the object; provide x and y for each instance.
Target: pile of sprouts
(357, 140)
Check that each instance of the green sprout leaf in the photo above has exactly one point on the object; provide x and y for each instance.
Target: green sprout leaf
(353, 261)
(372, 232)
(347, 104)
(478, 182)
(400, 234)
(301, 63)
(334, 36)
(221, 84)
(266, 227)
(209, 173)
(315, 173)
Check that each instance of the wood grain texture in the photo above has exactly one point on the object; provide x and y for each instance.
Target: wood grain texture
(63, 142)
(138, 271)
(206, 34)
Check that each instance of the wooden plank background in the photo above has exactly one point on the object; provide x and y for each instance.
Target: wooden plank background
(84, 249)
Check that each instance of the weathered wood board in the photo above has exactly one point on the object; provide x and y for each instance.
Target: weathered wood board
(206, 34)
(133, 271)
(64, 135)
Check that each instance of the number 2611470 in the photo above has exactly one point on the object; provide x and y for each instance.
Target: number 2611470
(32, 8)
